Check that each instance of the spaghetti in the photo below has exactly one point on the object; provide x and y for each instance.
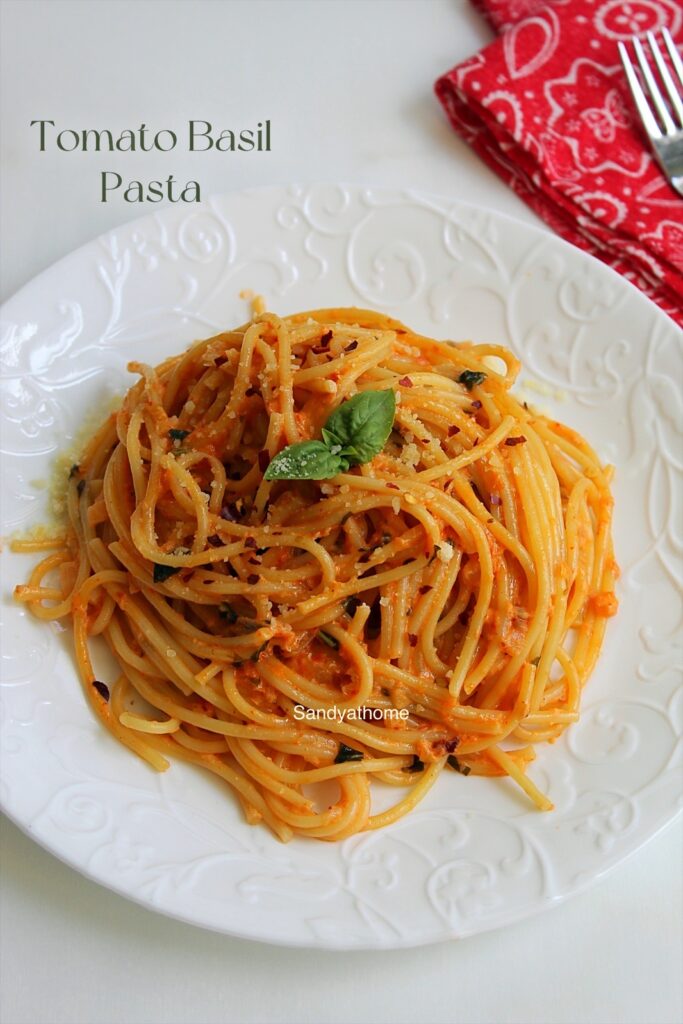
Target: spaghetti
(437, 606)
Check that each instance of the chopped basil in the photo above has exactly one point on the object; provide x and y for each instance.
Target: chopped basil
(470, 378)
(162, 572)
(101, 688)
(178, 435)
(416, 765)
(452, 760)
(250, 625)
(227, 612)
(345, 754)
(328, 639)
(259, 651)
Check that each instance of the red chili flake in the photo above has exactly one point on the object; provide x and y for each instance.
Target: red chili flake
(476, 442)
(496, 499)
(254, 560)
(263, 460)
(452, 431)
(406, 382)
(412, 639)
(394, 487)
(425, 589)
(326, 339)
(250, 542)
(101, 688)
(424, 440)
(511, 441)
(476, 404)
(446, 746)
(350, 347)
(319, 350)
(253, 579)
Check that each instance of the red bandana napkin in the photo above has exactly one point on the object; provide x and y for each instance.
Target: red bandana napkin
(547, 107)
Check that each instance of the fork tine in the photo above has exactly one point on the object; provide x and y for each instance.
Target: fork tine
(653, 89)
(673, 54)
(643, 107)
(665, 75)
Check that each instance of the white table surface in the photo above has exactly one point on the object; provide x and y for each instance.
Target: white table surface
(348, 88)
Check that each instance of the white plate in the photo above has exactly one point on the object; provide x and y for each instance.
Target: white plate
(474, 855)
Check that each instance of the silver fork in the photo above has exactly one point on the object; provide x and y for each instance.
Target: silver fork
(663, 123)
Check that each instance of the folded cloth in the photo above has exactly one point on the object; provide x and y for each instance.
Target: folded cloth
(548, 108)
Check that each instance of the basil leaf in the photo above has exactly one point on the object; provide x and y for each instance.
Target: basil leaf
(331, 439)
(362, 425)
(308, 460)
(354, 433)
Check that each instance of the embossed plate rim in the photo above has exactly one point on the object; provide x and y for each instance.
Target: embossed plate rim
(448, 208)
